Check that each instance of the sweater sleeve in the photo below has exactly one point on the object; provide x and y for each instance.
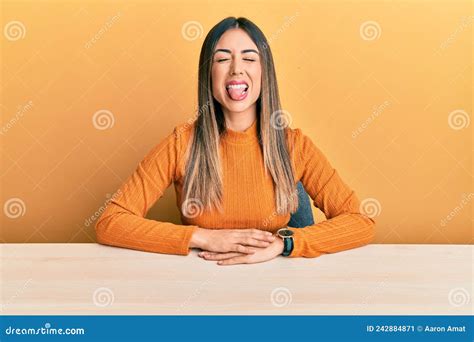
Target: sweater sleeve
(123, 223)
(346, 227)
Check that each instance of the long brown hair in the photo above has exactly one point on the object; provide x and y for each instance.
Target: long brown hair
(203, 174)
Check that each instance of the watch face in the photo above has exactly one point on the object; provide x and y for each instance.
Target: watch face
(285, 232)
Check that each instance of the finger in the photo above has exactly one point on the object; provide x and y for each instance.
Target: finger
(221, 256)
(262, 235)
(234, 261)
(251, 242)
(205, 253)
(258, 234)
(242, 249)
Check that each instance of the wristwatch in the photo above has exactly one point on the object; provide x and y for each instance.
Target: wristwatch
(287, 236)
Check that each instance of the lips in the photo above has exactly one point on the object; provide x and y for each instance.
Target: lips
(236, 82)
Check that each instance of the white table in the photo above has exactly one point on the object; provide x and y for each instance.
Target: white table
(83, 279)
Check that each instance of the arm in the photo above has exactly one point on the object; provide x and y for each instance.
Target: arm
(123, 223)
(345, 227)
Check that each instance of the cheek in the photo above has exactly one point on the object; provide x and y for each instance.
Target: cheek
(214, 86)
(257, 81)
(217, 79)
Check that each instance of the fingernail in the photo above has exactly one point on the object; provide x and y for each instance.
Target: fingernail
(268, 233)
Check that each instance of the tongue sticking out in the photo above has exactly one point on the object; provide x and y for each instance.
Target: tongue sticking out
(236, 93)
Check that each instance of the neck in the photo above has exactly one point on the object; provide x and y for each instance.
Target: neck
(240, 121)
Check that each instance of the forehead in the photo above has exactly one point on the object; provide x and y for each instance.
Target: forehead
(235, 40)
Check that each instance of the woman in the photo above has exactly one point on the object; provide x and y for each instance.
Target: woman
(235, 170)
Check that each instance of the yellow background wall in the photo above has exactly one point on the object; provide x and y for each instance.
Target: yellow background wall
(384, 89)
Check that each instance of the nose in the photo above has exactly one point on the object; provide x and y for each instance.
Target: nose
(236, 68)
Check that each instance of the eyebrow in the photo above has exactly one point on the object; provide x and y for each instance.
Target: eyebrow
(243, 51)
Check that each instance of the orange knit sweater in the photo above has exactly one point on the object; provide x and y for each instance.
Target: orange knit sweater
(248, 198)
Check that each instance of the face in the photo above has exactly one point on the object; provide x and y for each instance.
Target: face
(236, 72)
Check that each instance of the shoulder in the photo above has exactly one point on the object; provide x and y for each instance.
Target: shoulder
(302, 146)
(182, 135)
(173, 143)
(295, 138)
(184, 131)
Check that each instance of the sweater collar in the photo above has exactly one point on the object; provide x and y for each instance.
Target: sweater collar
(249, 135)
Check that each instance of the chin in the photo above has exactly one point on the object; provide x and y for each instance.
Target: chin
(236, 108)
(239, 106)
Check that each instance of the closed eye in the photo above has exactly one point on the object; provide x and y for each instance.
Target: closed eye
(226, 59)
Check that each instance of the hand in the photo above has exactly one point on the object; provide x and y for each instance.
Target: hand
(231, 240)
(260, 255)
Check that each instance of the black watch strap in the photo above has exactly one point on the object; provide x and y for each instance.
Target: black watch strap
(287, 246)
